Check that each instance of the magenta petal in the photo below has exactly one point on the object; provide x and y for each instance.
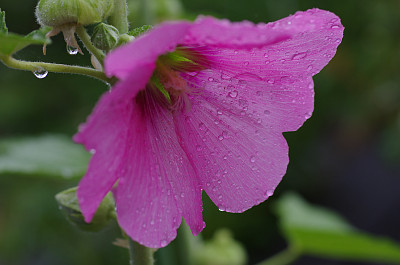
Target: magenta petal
(158, 186)
(239, 162)
(145, 50)
(226, 34)
(104, 134)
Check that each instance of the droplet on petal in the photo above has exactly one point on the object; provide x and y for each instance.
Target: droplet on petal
(233, 94)
(299, 56)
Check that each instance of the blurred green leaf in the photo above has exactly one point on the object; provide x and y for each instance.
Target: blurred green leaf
(3, 27)
(319, 232)
(50, 156)
(11, 43)
(140, 30)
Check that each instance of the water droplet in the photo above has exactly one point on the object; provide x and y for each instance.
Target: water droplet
(40, 73)
(182, 195)
(252, 159)
(92, 151)
(233, 94)
(265, 55)
(221, 137)
(307, 115)
(220, 197)
(219, 112)
(246, 63)
(299, 56)
(335, 26)
(311, 85)
(72, 50)
(202, 126)
(270, 193)
(225, 76)
(152, 222)
(199, 148)
(210, 79)
(270, 81)
(163, 243)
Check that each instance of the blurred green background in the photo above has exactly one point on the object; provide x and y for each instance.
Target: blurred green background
(346, 157)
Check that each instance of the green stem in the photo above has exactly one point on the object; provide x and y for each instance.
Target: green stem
(119, 17)
(283, 258)
(140, 255)
(85, 38)
(56, 68)
(186, 244)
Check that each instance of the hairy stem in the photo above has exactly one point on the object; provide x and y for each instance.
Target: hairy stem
(56, 68)
(85, 38)
(140, 255)
(119, 17)
(285, 257)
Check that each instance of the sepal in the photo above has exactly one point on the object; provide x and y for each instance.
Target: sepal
(69, 205)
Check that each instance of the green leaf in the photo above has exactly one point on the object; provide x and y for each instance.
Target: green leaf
(320, 232)
(11, 43)
(140, 30)
(49, 156)
(3, 27)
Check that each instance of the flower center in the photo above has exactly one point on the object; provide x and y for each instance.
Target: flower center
(168, 80)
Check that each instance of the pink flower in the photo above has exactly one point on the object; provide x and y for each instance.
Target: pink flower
(201, 106)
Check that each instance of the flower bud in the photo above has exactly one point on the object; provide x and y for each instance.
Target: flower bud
(68, 203)
(105, 37)
(56, 13)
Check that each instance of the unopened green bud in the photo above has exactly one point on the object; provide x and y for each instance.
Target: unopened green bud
(105, 37)
(68, 203)
(56, 13)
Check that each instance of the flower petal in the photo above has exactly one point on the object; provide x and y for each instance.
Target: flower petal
(145, 50)
(104, 134)
(273, 83)
(239, 162)
(226, 34)
(158, 185)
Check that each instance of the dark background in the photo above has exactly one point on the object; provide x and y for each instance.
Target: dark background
(346, 157)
